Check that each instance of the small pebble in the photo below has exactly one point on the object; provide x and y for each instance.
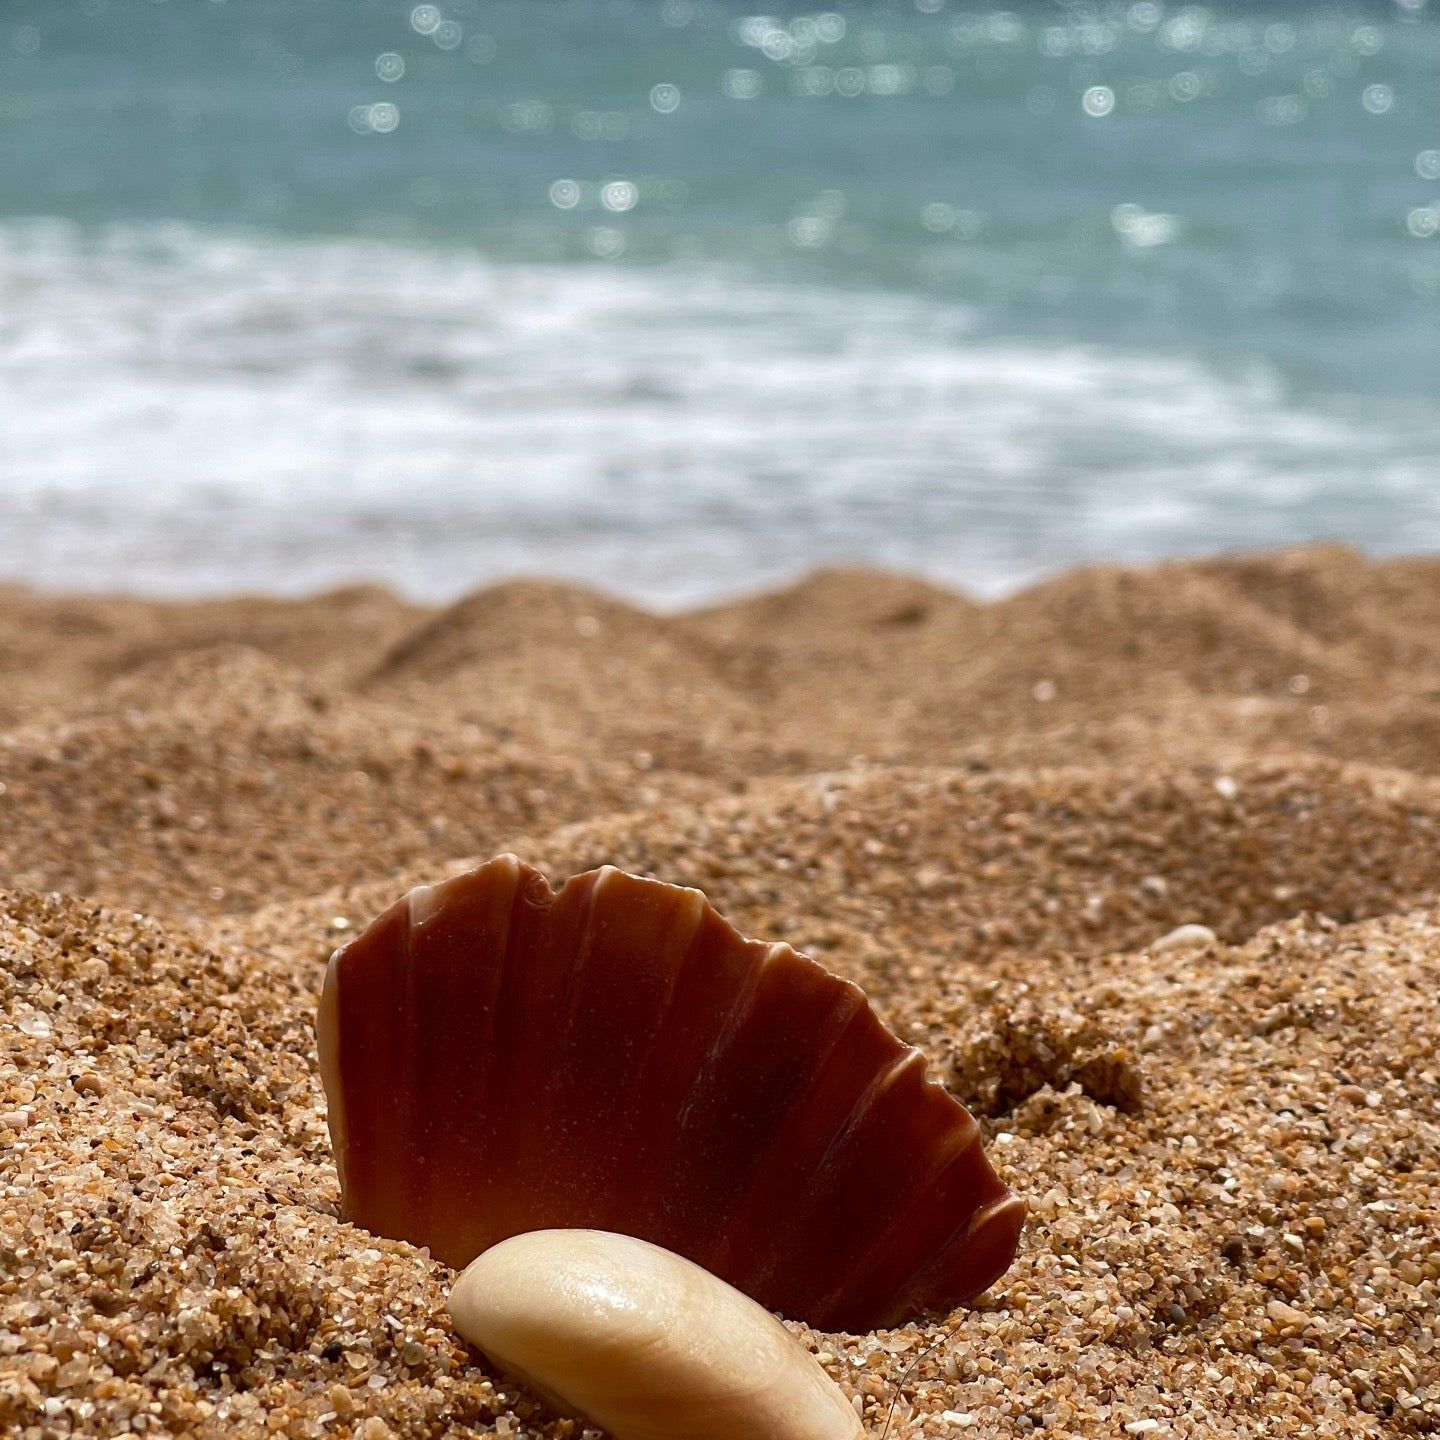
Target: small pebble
(644, 1343)
(1185, 937)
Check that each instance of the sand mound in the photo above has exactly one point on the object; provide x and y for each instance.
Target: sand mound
(1187, 644)
(911, 874)
(223, 683)
(566, 666)
(55, 650)
(527, 619)
(1174, 623)
(219, 780)
(1387, 614)
(833, 611)
(1287, 652)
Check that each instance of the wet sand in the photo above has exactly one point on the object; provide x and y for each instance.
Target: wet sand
(991, 816)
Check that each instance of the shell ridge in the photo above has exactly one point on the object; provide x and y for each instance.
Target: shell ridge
(739, 1009)
(820, 1178)
(570, 1000)
(626, 1104)
(560, 1077)
(483, 1050)
(887, 1076)
(654, 1169)
(706, 912)
(739, 1214)
(858, 1272)
(464, 1151)
(365, 977)
(412, 1071)
(914, 1293)
(501, 1113)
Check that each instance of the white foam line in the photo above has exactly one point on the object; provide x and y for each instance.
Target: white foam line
(200, 411)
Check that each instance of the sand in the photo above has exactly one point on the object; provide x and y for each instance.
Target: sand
(991, 816)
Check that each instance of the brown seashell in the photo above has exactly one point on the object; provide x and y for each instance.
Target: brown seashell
(500, 1058)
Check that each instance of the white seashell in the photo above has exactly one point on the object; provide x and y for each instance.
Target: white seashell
(643, 1343)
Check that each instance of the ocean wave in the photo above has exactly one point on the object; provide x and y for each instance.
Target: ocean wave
(198, 411)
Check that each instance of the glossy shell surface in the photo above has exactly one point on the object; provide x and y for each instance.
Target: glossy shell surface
(499, 1057)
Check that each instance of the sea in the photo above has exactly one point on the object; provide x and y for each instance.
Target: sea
(680, 299)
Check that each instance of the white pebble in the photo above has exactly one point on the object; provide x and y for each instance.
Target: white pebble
(643, 1343)
(1185, 937)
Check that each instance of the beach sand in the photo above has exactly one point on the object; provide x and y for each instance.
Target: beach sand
(991, 816)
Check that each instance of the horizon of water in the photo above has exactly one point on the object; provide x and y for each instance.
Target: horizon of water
(679, 299)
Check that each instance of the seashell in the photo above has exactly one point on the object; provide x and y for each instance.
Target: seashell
(643, 1343)
(500, 1058)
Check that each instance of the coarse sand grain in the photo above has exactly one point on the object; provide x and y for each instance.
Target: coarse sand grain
(989, 815)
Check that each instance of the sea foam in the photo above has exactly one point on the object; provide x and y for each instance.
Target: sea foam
(200, 411)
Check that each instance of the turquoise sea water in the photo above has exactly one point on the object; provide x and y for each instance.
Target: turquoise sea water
(677, 297)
